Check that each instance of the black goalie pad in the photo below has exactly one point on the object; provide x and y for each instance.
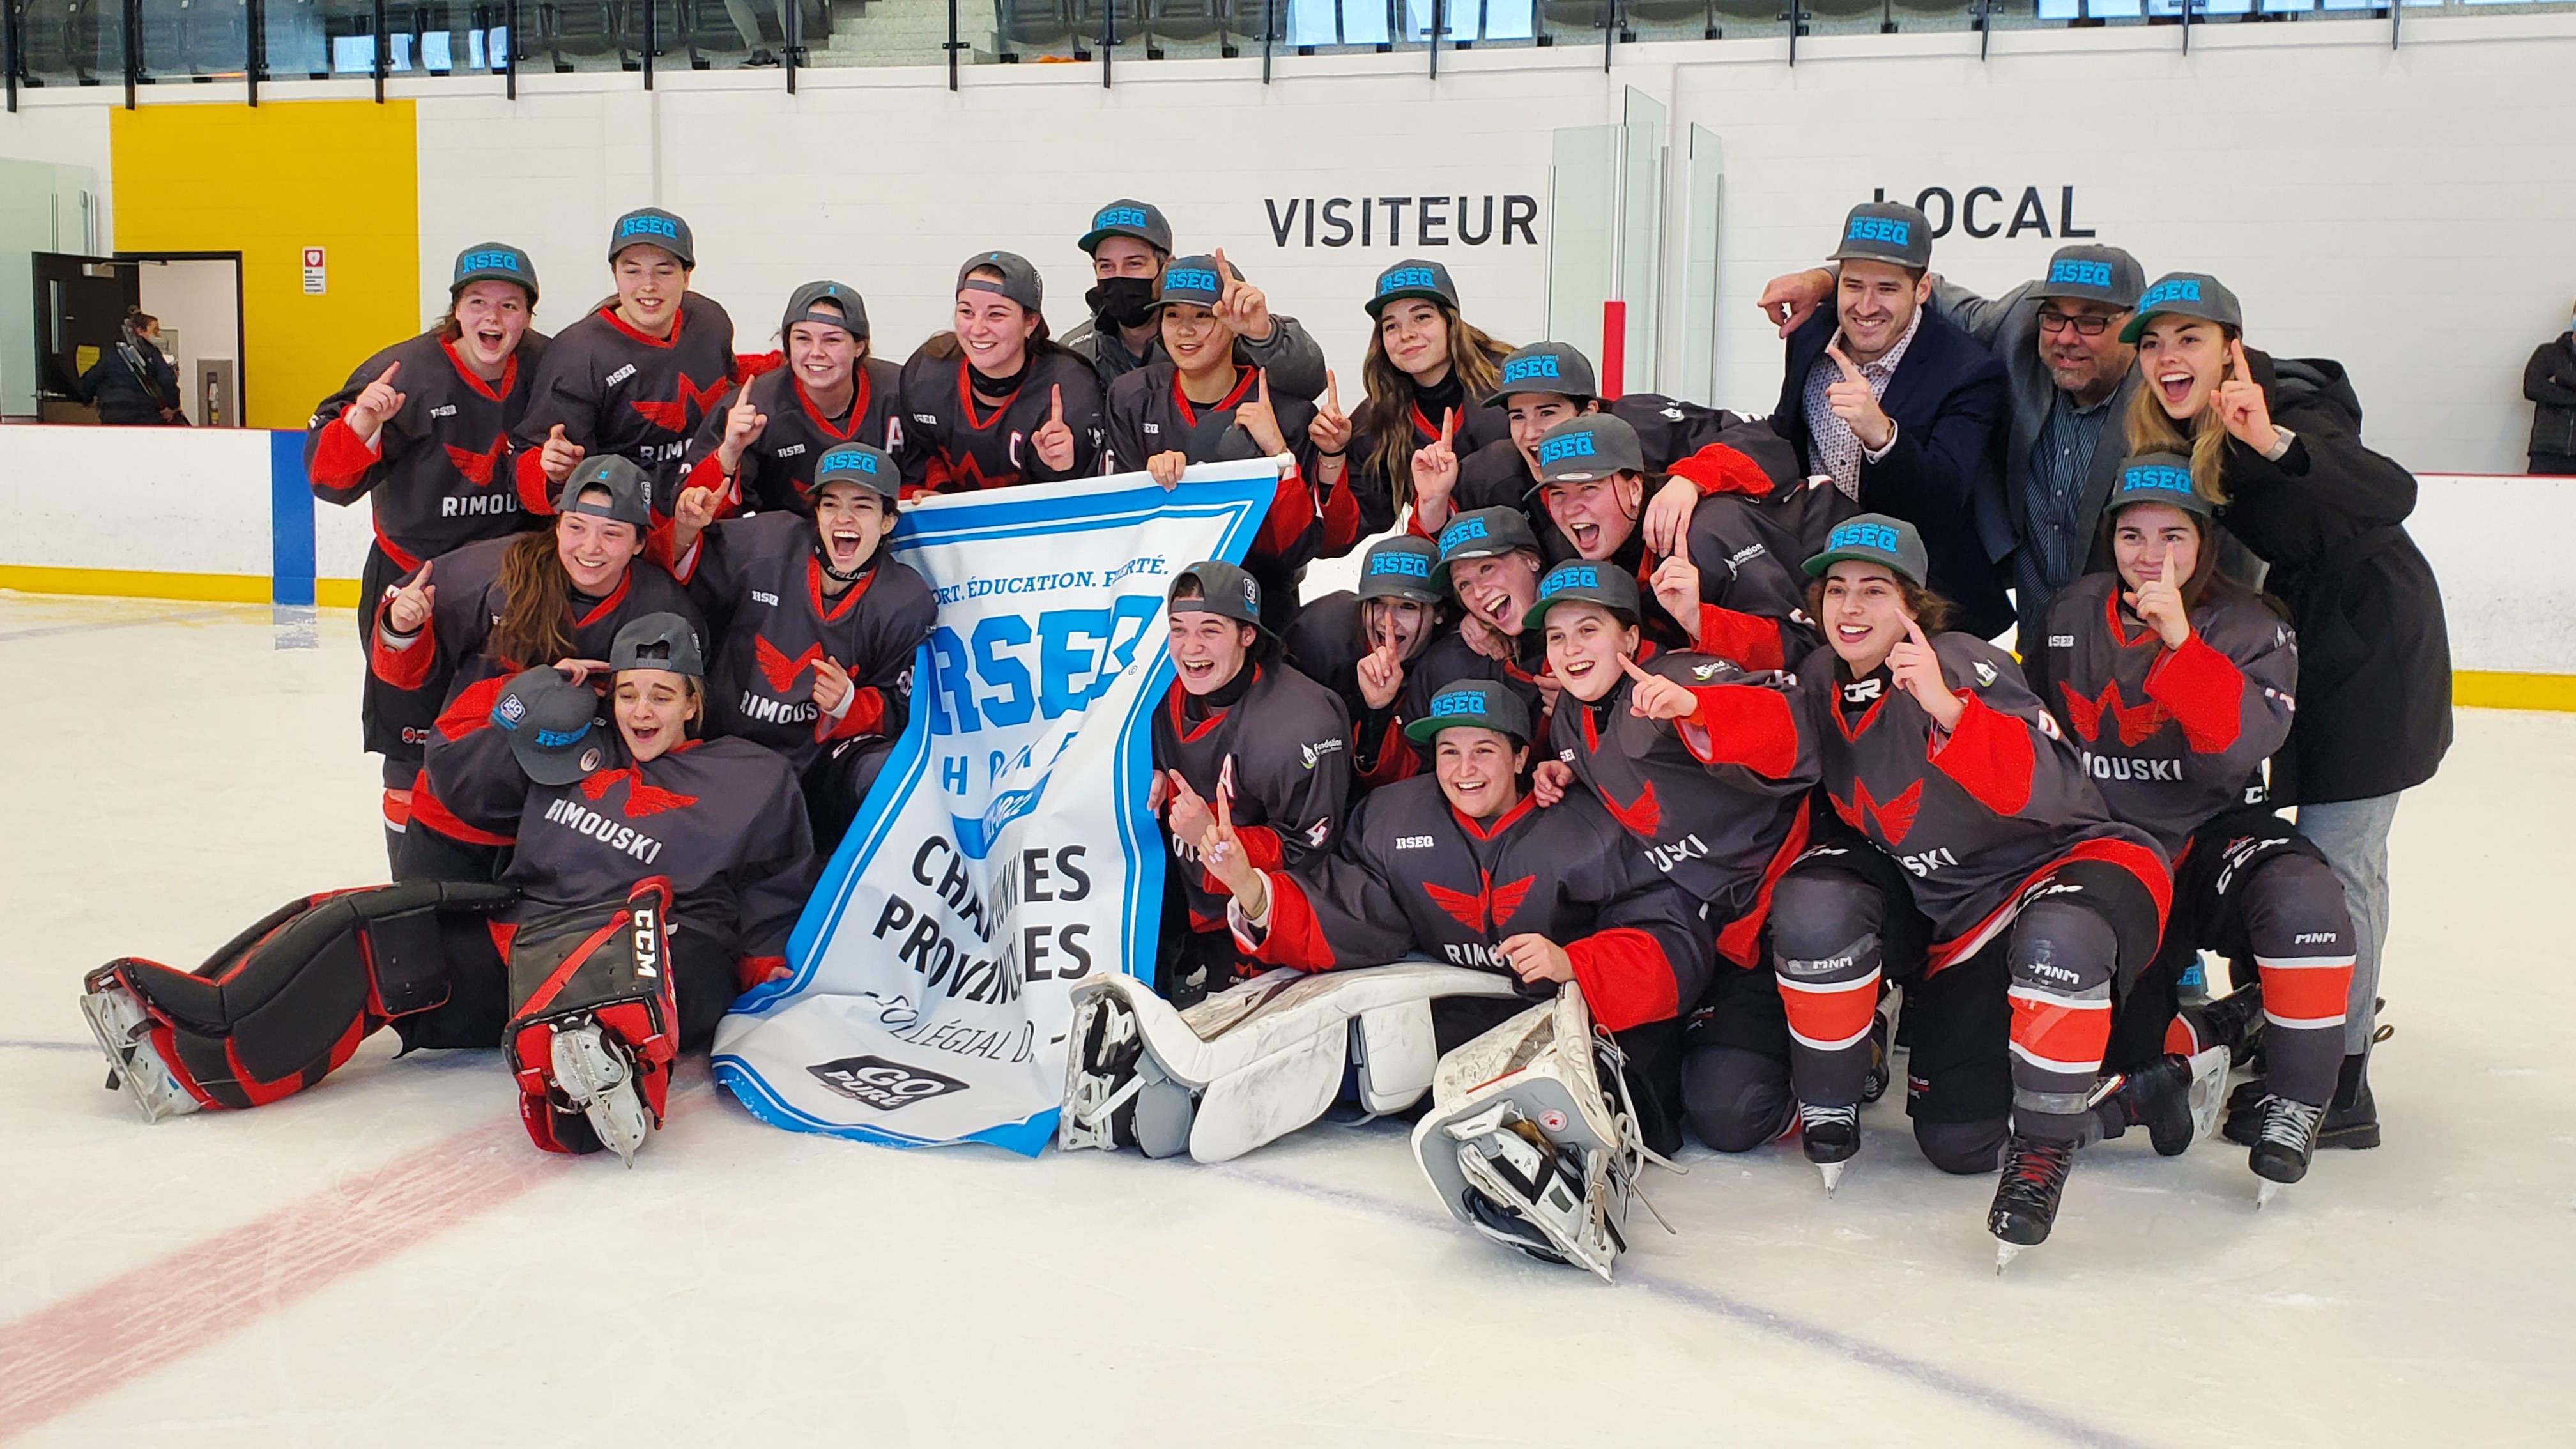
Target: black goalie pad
(281, 1005)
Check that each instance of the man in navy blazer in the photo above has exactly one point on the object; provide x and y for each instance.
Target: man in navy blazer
(1903, 409)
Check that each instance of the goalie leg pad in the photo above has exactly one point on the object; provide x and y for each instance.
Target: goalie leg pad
(286, 1002)
(1254, 1062)
(594, 1031)
(1531, 1140)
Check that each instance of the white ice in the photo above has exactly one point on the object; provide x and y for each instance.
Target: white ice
(386, 1261)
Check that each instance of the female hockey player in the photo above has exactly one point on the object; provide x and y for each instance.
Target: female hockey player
(1359, 643)
(642, 897)
(1197, 404)
(422, 431)
(816, 660)
(475, 770)
(995, 401)
(493, 608)
(1466, 868)
(1427, 371)
(1489, 563)
(1547, 383)
(1993, 847)
(1703, 764)
(1720, 582)
(758, 452)
(2275, 444)
(2176, 684)
(635, 376)
(1237, 724)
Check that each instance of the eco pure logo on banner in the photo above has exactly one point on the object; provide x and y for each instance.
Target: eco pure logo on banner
(1410, 223)
(1005, 851)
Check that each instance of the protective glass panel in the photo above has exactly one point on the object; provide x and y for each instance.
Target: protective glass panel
(1703, 186)
(1582, 206)
(1641, 236)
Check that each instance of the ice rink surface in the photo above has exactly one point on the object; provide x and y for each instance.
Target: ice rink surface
(386, 1261)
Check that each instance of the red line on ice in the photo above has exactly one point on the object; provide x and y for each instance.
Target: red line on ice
(58, 1358)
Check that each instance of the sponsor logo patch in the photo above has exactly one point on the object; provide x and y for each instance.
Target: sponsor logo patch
(884, 1085)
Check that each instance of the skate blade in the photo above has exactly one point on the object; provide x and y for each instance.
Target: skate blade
(1832, 1172)
(121, 1051)
(603, 1087)
(2005, 1253)
(2208, 1092)
(2263, 1192)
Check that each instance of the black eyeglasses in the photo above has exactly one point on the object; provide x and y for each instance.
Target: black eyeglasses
(2088, 326)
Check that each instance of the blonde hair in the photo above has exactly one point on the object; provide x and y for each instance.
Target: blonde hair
(2152, 430)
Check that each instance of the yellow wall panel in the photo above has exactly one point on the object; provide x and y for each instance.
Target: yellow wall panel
(269, 182)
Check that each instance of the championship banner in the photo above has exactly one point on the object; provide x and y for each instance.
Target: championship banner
(1005, 852)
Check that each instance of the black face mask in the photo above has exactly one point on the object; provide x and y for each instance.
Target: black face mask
(1121, 301)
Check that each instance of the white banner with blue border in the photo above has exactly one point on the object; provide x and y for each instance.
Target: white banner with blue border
(1006, 851)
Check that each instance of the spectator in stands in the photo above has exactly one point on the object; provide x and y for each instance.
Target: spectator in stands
(2550, 382)
(133, 385)
(1130, 243)
(746, 23)
(1901, 408)
(2276, 444)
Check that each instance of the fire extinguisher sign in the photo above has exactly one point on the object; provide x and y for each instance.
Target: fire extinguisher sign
(313, 272)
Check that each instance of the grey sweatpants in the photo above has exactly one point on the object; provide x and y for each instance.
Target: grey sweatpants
(2354, 836)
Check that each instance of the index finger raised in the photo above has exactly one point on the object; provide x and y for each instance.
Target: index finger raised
(1834, 350)
(1332, 391)
(1055, 405)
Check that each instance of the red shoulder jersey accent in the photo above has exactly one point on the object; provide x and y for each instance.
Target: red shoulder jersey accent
(2134, 722)
(477, 468)
(1894, 818)
(682, 413)
(776, 667)
(641, 799)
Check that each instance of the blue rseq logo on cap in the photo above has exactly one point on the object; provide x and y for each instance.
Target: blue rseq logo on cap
(1460, 532)
(2178, 289)
(647, 226)
(1572, 445)
(1402, 277)
(493, 261)
(1191, 279)
(557, 739)
(1522, 369)
(1398, 561)
(1458, 702)
(2081, 274)
(854, 459)
(1569, 576)
(1862, 535)
(2155, 477)
(1879, 229)
(1118, 216)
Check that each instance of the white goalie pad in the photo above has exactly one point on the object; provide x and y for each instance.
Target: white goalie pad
(1254, 1062)
(1530, 1139)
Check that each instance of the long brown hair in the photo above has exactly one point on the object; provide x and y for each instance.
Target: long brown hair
(536, 619)
(2152, 430)
(1475, 359)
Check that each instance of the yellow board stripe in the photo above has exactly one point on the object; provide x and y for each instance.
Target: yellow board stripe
(2486, 689)
(151, 584)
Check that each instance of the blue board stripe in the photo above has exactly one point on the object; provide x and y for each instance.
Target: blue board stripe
(290, 521)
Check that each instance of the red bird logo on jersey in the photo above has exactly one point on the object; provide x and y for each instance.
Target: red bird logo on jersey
(1643, 818)
(1486, 911)
(681, 413)
(641, 799)
(1893, 818)
(777, 668)
(2134, 722)
(477, 468)
(964, 475)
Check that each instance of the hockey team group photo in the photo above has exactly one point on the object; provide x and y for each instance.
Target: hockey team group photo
(1108, 769)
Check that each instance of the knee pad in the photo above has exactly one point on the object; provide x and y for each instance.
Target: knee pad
(1254, 1062)
(604, 974)
(1736, 1099)
(1532, 1140)
(1964, 1148)
(284, 1003)
(1816, 913)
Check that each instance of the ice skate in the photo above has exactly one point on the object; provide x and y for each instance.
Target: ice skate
(2287, 1145)
(2233, 1021)
(2350, 1120)
(1882, 1055)
(124, 1033)
(596, 1077)
(1101, 1077)
(2027, 1198)
(2176, 1098)
(1831, 1137)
